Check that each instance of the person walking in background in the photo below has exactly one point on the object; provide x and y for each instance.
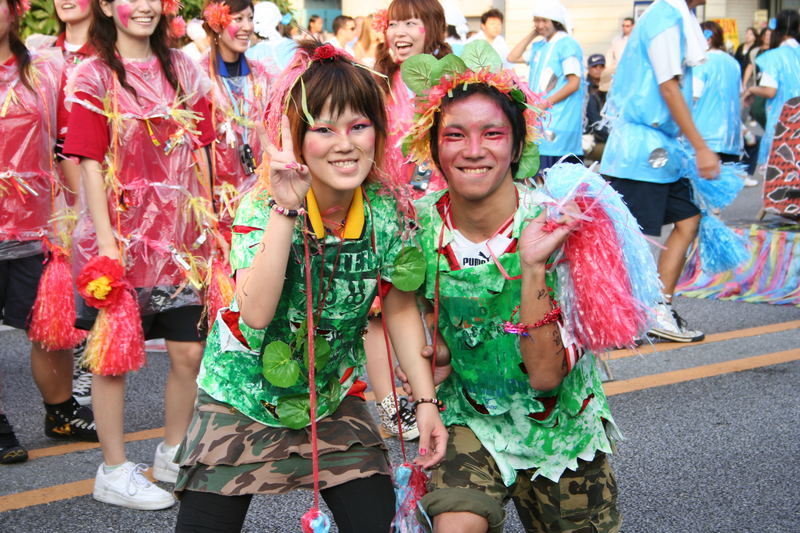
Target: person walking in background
(366, 47)
(239, 92)
(492, 32)
(649, 105)
(779, 79)
(316, 28)
(595, 132)
(344, 31)
(147, 208)
(742, 54)
(556, 69)
(30, 85)
(716, 89)
(618, 43)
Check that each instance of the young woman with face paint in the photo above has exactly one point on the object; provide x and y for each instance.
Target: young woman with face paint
(322, 226)
(239, 99)
(139, 123)
(29, 196)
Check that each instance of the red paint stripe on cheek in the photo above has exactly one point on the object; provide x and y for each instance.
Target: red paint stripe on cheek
(124, 13)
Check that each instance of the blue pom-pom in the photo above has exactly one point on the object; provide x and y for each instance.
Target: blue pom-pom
(721, 248)
(563, 180)
(719, 192)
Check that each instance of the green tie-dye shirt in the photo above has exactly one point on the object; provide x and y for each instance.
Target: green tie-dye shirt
(231, 371)
(487, 361)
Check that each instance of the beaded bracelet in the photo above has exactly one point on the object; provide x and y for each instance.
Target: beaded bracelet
(520, 328)
(291, 213)
(435, 401)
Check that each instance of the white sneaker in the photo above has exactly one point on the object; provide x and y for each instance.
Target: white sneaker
(164, 468)
(127, 486)
(670, 326)
(388, 418)
(750, 182)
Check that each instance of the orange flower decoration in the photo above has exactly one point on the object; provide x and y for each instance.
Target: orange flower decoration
(170, 7)
(218, 16)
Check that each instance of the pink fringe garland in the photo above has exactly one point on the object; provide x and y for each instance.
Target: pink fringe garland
(53, 316)
(604, 312)
(219, 289)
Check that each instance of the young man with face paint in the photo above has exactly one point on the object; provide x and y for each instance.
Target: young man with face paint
(139, 122)
(556, 69)
(524, 405)
(649, 104)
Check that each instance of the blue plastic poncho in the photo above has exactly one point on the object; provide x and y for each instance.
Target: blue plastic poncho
(717, 112)
(783, 64)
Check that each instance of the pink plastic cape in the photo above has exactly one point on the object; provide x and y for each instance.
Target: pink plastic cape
(231, 181)
(400, 111)
(28, 129)
(158, 203)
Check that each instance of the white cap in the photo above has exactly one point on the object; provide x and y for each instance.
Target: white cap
(553, 10)
(266, 17)
(453, 16)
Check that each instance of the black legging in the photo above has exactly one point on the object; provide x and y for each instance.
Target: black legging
(363, 505)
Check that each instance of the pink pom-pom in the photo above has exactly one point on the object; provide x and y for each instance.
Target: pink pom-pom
(53, 316)
(177, 27)
(116, 342)
(603, 309)
(315, 521)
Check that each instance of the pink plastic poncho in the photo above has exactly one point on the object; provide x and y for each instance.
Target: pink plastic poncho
(400, 111)
(157, 200)
(230, 180)
(28, 129)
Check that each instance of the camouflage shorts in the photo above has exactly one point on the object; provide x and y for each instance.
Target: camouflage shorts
(227, 453)
(469, 480)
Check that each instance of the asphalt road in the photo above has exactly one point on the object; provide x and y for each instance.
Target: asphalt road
(709, 447)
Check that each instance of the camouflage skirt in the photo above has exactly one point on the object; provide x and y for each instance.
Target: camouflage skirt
(227, 453)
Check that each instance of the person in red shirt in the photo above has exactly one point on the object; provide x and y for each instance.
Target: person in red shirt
(139, 122)
(29, 192)
(239, 89)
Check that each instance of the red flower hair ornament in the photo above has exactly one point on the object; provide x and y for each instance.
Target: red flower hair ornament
(170, 7)
(326, 51)
(218, 16)
(23, 6)
(380, 20)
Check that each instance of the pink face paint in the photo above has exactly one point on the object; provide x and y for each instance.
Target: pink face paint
(124, 11)
(232, 29)
(422, 30)
(4, 10)
(83, 4)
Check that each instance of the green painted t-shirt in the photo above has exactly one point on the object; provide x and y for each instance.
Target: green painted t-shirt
(231, 370)
(488, 371)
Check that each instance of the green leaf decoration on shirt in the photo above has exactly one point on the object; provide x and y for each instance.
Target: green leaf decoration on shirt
(409, 269)
(518, 96)
(332, 392)
(293, 411)
(479, 55)
(418, 72)
(322, 353)
(279, 368)
(528, 162)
